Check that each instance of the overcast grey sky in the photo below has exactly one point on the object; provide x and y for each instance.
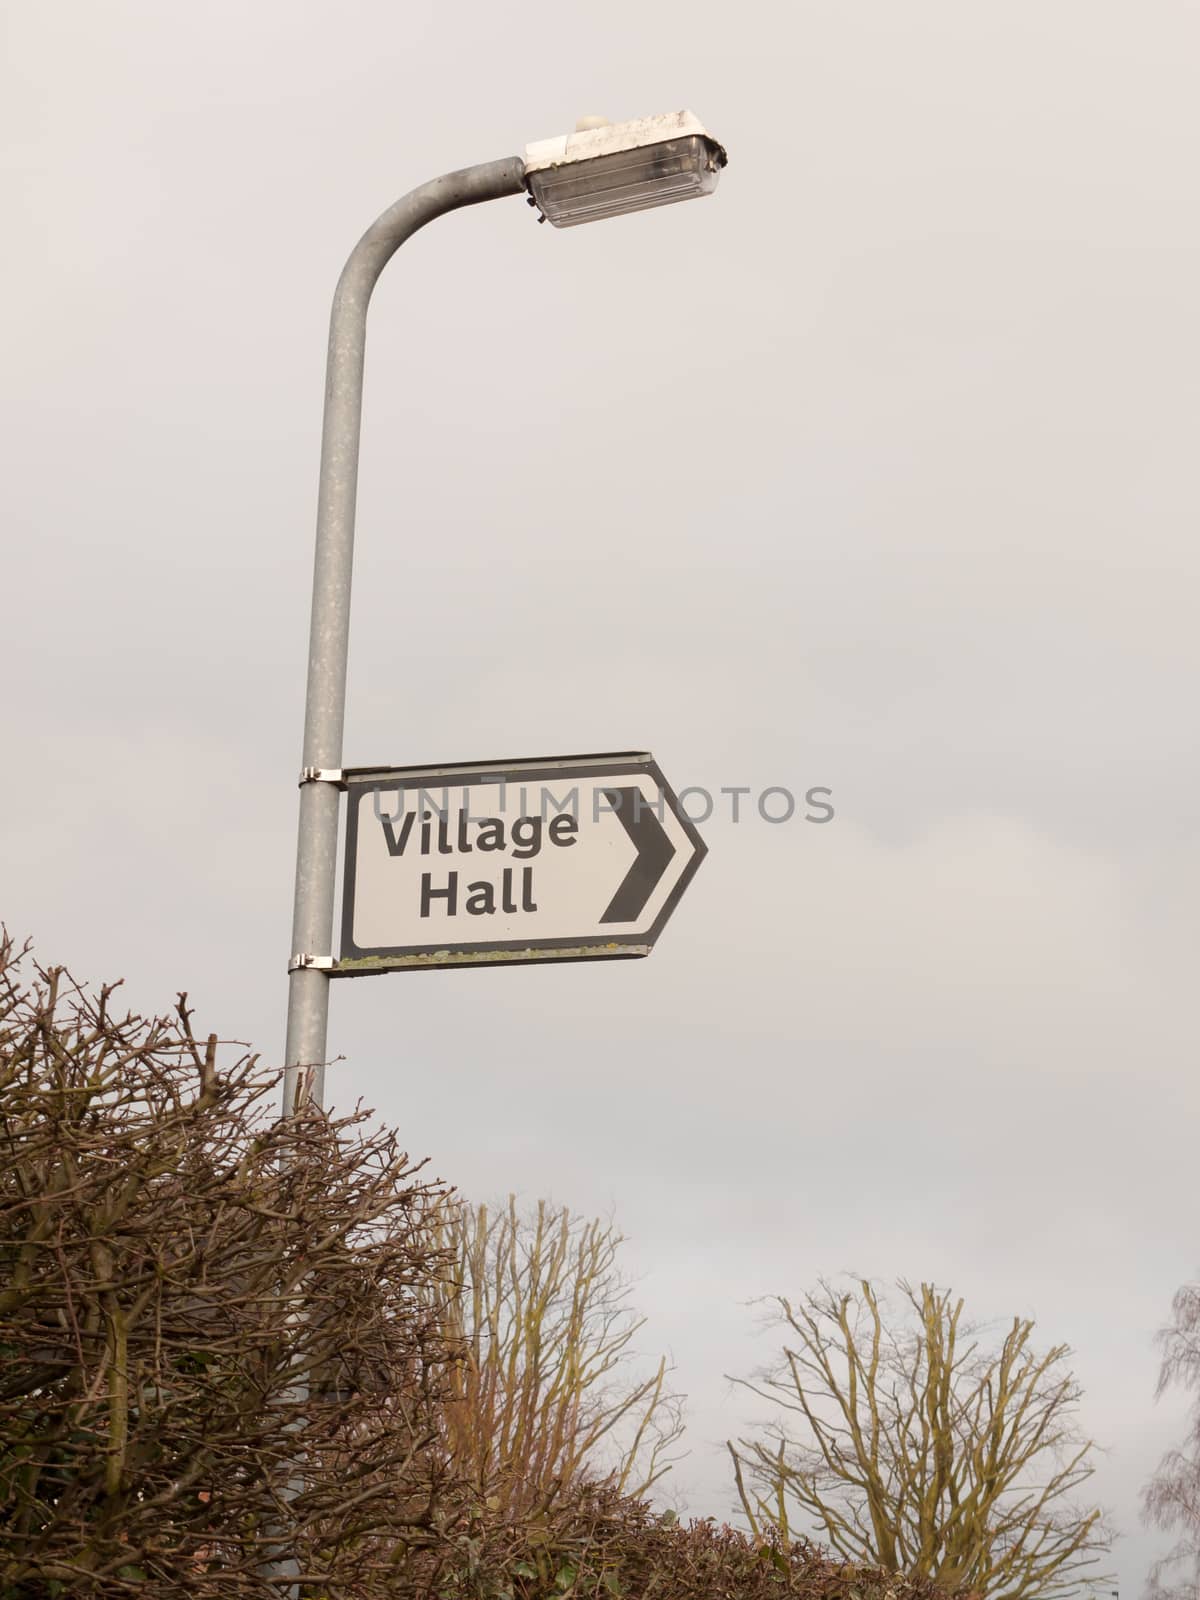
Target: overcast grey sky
(875, 471)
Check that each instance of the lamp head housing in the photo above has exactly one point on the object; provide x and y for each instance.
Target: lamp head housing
(605, 169)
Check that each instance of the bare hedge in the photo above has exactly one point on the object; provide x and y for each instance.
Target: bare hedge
(225, 1345)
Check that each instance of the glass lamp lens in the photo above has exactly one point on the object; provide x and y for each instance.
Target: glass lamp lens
(629, 180)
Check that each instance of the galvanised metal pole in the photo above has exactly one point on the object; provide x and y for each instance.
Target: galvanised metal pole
(329, 635)
(328, 647)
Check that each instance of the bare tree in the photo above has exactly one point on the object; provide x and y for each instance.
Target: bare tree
(545, 1395)
(195, 1296)
(1172, 1497)
(919, 1450)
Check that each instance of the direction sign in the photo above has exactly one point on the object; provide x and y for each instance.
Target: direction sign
(554, 859)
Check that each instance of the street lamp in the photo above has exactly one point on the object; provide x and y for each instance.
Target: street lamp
(600, 170)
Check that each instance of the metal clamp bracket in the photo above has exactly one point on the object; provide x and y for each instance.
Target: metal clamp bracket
(334, 775)
(317, 963)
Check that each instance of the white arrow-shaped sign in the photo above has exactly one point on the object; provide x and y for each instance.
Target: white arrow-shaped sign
(554, 859)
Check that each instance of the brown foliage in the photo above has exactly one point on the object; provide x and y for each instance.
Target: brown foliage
(1172, 1497)
(605, 1546)
(922, 1451)
(226, 1339)
(195, 1297)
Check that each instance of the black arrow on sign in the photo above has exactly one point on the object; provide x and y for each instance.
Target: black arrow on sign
(654, 852)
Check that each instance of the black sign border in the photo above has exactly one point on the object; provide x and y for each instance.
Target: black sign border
(361, 781)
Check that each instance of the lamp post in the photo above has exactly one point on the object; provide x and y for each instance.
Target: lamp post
(600, 170)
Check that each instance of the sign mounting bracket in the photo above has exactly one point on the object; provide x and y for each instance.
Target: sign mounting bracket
(316, 963)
